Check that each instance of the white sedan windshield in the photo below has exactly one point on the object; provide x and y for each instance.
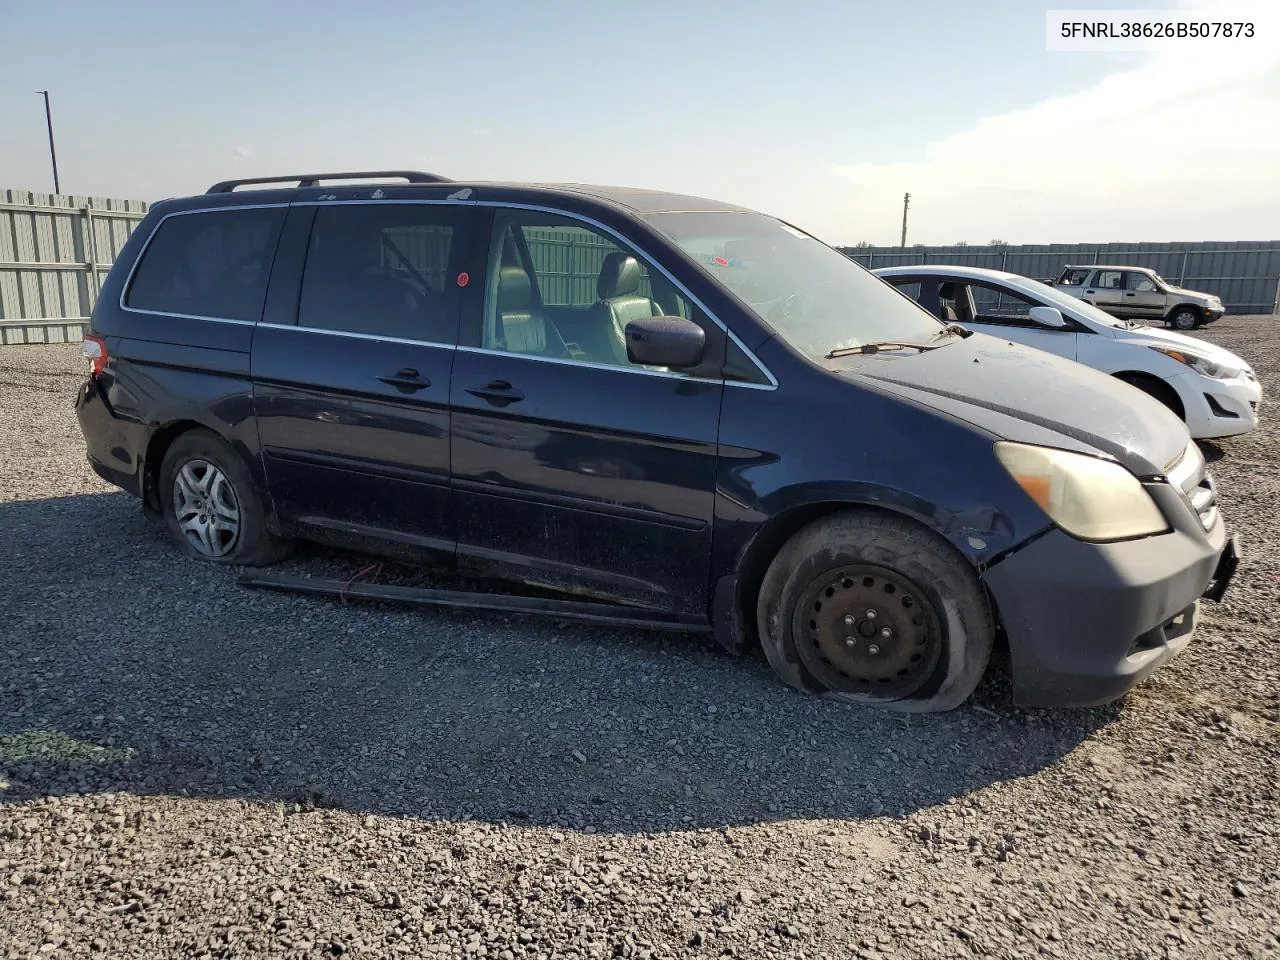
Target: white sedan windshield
(814, 297)
(1065, 302)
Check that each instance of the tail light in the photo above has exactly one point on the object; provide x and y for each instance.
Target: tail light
(95, 349)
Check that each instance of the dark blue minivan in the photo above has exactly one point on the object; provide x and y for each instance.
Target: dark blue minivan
(655, 402)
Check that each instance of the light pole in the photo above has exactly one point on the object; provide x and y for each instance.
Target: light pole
(53, 156)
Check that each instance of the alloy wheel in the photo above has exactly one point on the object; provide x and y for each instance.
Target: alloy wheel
(206, 508)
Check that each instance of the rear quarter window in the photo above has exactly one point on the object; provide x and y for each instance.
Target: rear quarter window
(212, 264)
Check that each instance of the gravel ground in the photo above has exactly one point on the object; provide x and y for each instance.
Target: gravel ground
(191, 769)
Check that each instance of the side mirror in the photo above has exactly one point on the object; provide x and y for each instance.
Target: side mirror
(1048, 317)
(665, 342)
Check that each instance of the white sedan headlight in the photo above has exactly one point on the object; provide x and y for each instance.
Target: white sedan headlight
(1089, 498)
(1201, 365)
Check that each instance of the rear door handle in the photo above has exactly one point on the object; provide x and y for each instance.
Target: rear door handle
(407, 380)
(498, 392)
(1130, 294)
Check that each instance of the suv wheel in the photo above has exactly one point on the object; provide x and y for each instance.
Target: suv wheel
(874, 609)
(1184, 318)
(211, 505)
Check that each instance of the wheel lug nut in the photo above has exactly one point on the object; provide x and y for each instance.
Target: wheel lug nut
(872, 614)
(849, 620)
(873, 649)
(886, 632)
(850, 641)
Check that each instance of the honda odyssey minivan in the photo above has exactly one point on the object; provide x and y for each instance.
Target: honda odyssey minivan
(659, 402)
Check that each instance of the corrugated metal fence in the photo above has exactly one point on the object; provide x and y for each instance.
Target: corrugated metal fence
(54, 251)
(1246, 275)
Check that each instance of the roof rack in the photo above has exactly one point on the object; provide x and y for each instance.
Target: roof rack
(310, 179)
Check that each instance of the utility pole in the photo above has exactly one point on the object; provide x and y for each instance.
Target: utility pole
(53, 156)
(906, 202)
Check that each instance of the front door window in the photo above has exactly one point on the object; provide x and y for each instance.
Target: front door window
(562, 290)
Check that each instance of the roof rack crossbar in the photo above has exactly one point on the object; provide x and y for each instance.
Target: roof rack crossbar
(311, 179)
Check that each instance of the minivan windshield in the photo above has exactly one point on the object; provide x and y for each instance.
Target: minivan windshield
(814, 297)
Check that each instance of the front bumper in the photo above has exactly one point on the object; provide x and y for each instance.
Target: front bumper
(1087, 621)
(1219, 408)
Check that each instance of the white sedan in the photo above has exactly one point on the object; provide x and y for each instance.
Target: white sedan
(1212, 389)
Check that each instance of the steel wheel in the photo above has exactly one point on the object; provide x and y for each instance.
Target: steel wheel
(206, 508)
(865, 629)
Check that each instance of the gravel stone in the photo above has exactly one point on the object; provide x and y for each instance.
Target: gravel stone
(192, 769)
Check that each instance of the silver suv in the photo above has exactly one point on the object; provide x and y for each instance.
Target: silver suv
(1136, 293)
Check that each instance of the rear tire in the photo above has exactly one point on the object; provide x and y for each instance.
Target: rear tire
(1157, 388)
(873, 609)
(210, 503)
(1185, 318)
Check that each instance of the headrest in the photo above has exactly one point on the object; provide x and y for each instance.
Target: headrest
(619, 277)
(947, 291)
(515, 291)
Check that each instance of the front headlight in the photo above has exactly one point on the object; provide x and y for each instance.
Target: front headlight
(1201, 365)
(1089, 498)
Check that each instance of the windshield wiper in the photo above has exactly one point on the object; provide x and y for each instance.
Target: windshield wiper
(877, 347)
(954, 329)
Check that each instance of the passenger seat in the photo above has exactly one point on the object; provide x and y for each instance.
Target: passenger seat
(620, 302)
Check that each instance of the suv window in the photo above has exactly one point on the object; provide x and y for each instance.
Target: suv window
(1074, 278)
(382, 270)
(1140, 283)
(213, 264)
(1109, 280)
(558, 288)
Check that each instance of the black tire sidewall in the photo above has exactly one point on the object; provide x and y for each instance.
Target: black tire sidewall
(255, 545)
(940, 573)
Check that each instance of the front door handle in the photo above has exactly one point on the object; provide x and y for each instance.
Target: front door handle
(498, 392)
(407, 380)
(1130, 294)
(1091, 291)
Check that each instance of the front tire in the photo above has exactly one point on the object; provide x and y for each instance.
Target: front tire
(1185, 318)
(210, 503)
(873, 609)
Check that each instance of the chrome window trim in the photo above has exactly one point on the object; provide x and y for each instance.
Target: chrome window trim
(359, 336)
(537, 208)
(137, 261)
(581, 218)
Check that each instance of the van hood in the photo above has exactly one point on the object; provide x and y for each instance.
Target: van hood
(1029, 396)
(1156, 336)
